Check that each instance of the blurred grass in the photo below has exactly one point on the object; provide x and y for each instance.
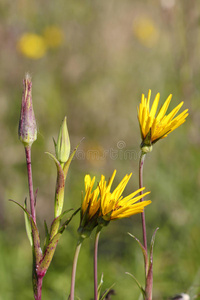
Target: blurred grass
(112, 52)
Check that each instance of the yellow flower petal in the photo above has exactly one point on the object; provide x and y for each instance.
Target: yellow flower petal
(157, 127)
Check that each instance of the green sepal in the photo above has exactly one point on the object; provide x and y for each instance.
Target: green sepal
(138, 284)
(146, 145)
(87, 224)
(67, 164)
(143, 251)
(105, 220)
(35, 235)
(28, 225)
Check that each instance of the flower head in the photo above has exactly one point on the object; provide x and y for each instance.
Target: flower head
(32, 45)
(154, 127)
(114, 206)
(27, 130)
(146, 31)
(101, 205)
(53, 36)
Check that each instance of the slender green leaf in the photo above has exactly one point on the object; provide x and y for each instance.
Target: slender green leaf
(137, 282)
(107, 292)
(152, 244)
(56, 223)
(143, 251)
(35, 235)
(28, 225)
(67, 164)
(149, 278)
(62, 228)
(100, 286)
(47, 235)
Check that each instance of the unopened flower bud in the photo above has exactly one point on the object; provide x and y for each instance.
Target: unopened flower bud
(27, 125)
(63, 144)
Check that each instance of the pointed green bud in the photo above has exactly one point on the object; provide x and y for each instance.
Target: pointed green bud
(27, 125)
(63, 144)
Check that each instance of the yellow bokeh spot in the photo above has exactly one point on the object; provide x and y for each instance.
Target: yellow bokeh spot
(53, 36)
(145, 31)
(32, 45)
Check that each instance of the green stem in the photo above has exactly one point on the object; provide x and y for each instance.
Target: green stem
(71, 297)
(95, 265)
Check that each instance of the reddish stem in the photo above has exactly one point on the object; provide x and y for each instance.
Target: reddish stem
(95, 266)
(141, 164)
(39, 288)
(30, 182)
(71, 297)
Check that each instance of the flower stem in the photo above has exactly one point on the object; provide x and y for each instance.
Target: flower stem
(95, 265)
(39, 288)
(30, 182)
(71, 297)
(141, 164)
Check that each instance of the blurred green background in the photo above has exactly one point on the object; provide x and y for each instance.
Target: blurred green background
(92, 62)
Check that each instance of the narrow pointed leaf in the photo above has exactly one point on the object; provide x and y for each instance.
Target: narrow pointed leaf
(149, 279)
(54, 143)
(35, 234)
(107, 292)
(28, 225)
(152, 243)
(137, 282)
(47, 236)
(56, 223)
(67, 164)
(62, 228)
(100, 286)
(143, 251)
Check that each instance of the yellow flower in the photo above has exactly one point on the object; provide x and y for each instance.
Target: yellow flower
(154, 127)
(91, 201)
(114, 206)
(53, 36)
(90, 208)
(32, 45)
(146, 31)
(101, 206)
